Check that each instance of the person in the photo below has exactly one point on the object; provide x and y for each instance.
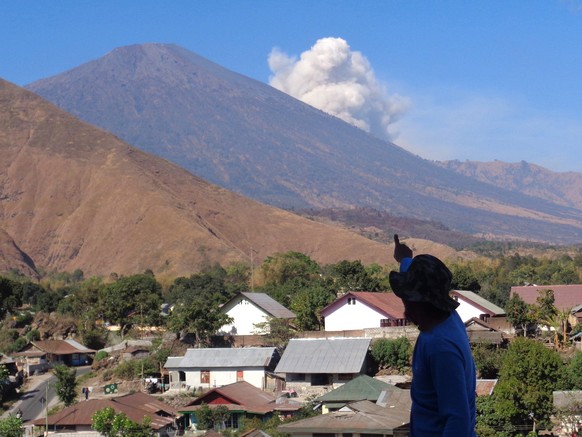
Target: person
(443, 370)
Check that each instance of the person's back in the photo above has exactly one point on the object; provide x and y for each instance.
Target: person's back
(443, 382)
(443, 370)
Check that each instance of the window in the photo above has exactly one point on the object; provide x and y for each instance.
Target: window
(239, 376)
(351, 300)
(205, 376)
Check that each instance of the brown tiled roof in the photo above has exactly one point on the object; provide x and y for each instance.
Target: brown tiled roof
(134, 407)
(565, 296)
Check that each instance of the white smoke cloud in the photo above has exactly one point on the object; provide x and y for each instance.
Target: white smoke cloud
(339, 81)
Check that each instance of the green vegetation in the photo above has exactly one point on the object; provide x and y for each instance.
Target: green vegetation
(392, 354)
(66, 384)
(11, 427)
(112, 424)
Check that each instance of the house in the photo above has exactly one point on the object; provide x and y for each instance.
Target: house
(362, 387)
(568, 412)
(359, 310)
(479, 331)
(136, 406)
(566, 297)
(213, 367)
(357, 419)
(243, 400)
(323, 361)
(43, 354)
(249, 309)
(472, 305)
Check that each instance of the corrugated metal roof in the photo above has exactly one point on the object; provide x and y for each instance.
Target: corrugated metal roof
(363, 387)
(362, 417)
(61, 347)
(328, 355)
(223, 357)
(270, 305)
(565, 296)
(480, 301)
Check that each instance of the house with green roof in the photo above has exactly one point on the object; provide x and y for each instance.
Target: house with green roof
(363, 387)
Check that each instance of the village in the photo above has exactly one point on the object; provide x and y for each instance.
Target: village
(317, 383)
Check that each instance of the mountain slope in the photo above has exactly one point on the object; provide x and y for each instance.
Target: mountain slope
(530, 179)
(252, 139)
(74, 196)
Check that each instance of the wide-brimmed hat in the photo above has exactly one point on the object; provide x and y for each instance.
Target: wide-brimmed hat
(426, 280)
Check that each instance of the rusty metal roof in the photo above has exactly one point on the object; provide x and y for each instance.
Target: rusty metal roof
(61, 347)
(386, 303)
(135, 406)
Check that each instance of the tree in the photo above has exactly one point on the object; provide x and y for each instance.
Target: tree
(307, 305)
(529, 374)
(394, 354)
(4, 383)
(11, 427)
(212, 418)
(132, 299)
(574, 372)
(352, 276)
(66, 385)
(275, 332)
(488, 360)
(519, 313)
(282, 267)
(112, 424)
(200, 317)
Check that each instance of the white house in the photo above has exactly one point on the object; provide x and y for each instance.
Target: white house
(215, 367)
(248, 309)
(359, 310)
(471, 305)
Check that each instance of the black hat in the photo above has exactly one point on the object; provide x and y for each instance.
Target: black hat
(426, 280)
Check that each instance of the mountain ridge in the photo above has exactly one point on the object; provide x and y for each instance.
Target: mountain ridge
(76, 197)
(248, 137)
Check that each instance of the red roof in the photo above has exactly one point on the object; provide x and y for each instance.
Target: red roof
(241, 396)
(386, 303)
(135, 406)
(61, 347)
(565, 296)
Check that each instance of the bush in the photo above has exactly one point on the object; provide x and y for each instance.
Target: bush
(101, 355)
(394, 354)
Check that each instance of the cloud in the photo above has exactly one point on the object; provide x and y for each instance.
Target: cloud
(339, 81)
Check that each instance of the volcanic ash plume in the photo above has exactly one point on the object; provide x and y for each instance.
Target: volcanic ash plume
(333, 78)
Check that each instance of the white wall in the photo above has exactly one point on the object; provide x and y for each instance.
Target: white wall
(358, 316)
(225, 376)
(467, 311)
(245, 315)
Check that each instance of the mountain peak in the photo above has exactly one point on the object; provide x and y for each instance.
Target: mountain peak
(250, 138)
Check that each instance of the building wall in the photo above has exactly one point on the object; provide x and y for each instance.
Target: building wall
(220, 377)
(354, 316)
(467, 311)
(245, 315)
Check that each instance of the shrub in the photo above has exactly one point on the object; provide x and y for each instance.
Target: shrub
(101, 355)
(394, 354)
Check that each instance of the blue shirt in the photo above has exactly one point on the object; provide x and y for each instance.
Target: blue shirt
(443, 382)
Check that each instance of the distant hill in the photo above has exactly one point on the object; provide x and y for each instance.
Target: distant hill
(250, 138)
(76, 197)
(530, 179)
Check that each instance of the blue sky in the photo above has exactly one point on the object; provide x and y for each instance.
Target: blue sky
(478, 80)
